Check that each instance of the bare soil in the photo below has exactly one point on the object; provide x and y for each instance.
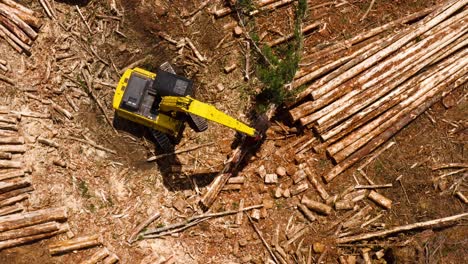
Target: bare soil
(111, 194)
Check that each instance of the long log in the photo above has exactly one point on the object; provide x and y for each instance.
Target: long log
(389, 100)
(83, 242)
(389, 46)
(387, 134)
(15, 221)
(7, 126)
(13, 185)
(366, 92)
(17, 21)
(355, 140)
(13, 148)
(31, 19)
(28, 239)
(398, 229)
(14, 46)
(30, 231)
(19, 7)
(272, 6)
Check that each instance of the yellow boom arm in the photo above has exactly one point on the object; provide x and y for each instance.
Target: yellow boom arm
(189, 105)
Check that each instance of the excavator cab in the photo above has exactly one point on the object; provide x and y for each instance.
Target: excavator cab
(163, 101)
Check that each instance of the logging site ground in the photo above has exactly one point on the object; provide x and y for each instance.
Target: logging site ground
(110, 189)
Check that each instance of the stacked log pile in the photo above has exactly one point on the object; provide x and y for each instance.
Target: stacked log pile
(362, 100)
(18, 25)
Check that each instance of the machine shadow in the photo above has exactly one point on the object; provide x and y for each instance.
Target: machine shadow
(170, 167)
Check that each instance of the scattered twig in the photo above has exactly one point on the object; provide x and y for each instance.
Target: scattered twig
(84, 20)
(368, 10)
(263, 239)
(134, 236)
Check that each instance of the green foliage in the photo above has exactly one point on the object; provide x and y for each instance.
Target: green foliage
(280, 67)
(83, 188)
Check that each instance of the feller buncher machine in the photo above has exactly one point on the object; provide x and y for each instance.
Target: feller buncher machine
(163, 102)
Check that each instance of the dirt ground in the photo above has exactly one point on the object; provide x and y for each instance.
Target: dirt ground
(110, 194)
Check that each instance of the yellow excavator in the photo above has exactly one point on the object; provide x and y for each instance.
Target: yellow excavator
(163, 102)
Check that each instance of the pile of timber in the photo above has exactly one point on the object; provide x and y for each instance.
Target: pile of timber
(21, 228)
(18, 25)
(362, 100)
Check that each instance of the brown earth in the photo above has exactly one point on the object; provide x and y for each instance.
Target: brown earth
(111, 194)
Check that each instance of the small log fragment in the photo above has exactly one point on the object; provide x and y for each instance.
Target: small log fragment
(222, 12)
(344, 205)
(299, 176)
(307, 213)
(13, 185)
(83, 242)
(14, 200)
(16, 208)
(61, 110)
(419, 225)
(271, 6)
(299, 188)
(316, 206)
(195, 50)
(97, 257)
(232, 187)
(304, 31)
(230, 68)
(236, 180)
(111, 259)
(354, 220)
(239, 215)
(48, 142)
(462, 197)
(15, 221)
(316, 184)
(30, 231)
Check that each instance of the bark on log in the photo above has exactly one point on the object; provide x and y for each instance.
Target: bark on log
(374, 84)
(30, 231)
(112, 258)
(419, 225)
(15, 221)
(15, 47)
(134, 236)
(380, 199)
(98, 256)
(26, 14)
(11, 174)
(17, 21)
(13, 148)
(23, 240)
(5, 126)
(10, 164)
(317, 185)
(355, 220)
(8, 119)
(388, 101)
(13, 185)
(271, 6)
(354, 141)
(61, 247)
(19, 7)
(15, 192)
(16, 208)
(307, 213)
(387, 134)
(14, 200)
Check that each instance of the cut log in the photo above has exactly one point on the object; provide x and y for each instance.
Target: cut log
(97, 257)
(15, 47)
(384, 136)
(112, 258)
(15, 30)
(316, 206)
(11, 174)
(6, 126)
(317, 185)
(11, 140)
(23, 13)
(380, 199)
(24, 240)
(10, 164)
(307, 213)
(13, 185)
(48, 142)
(15, 221)
(30, 231)
(419, 225)
(8, 119)
(19, 7)
(61, 247)
(5, 155)
(13, 148)
(355, 220)
(271, 6)
(12, 209)
(14, 200)
(15, 192)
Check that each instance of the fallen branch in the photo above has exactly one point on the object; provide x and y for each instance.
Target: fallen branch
(153, 158)
(90, 143)
(398, 229)
(263, 239)
(368, 10)
(83, 242)
(134, 236)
